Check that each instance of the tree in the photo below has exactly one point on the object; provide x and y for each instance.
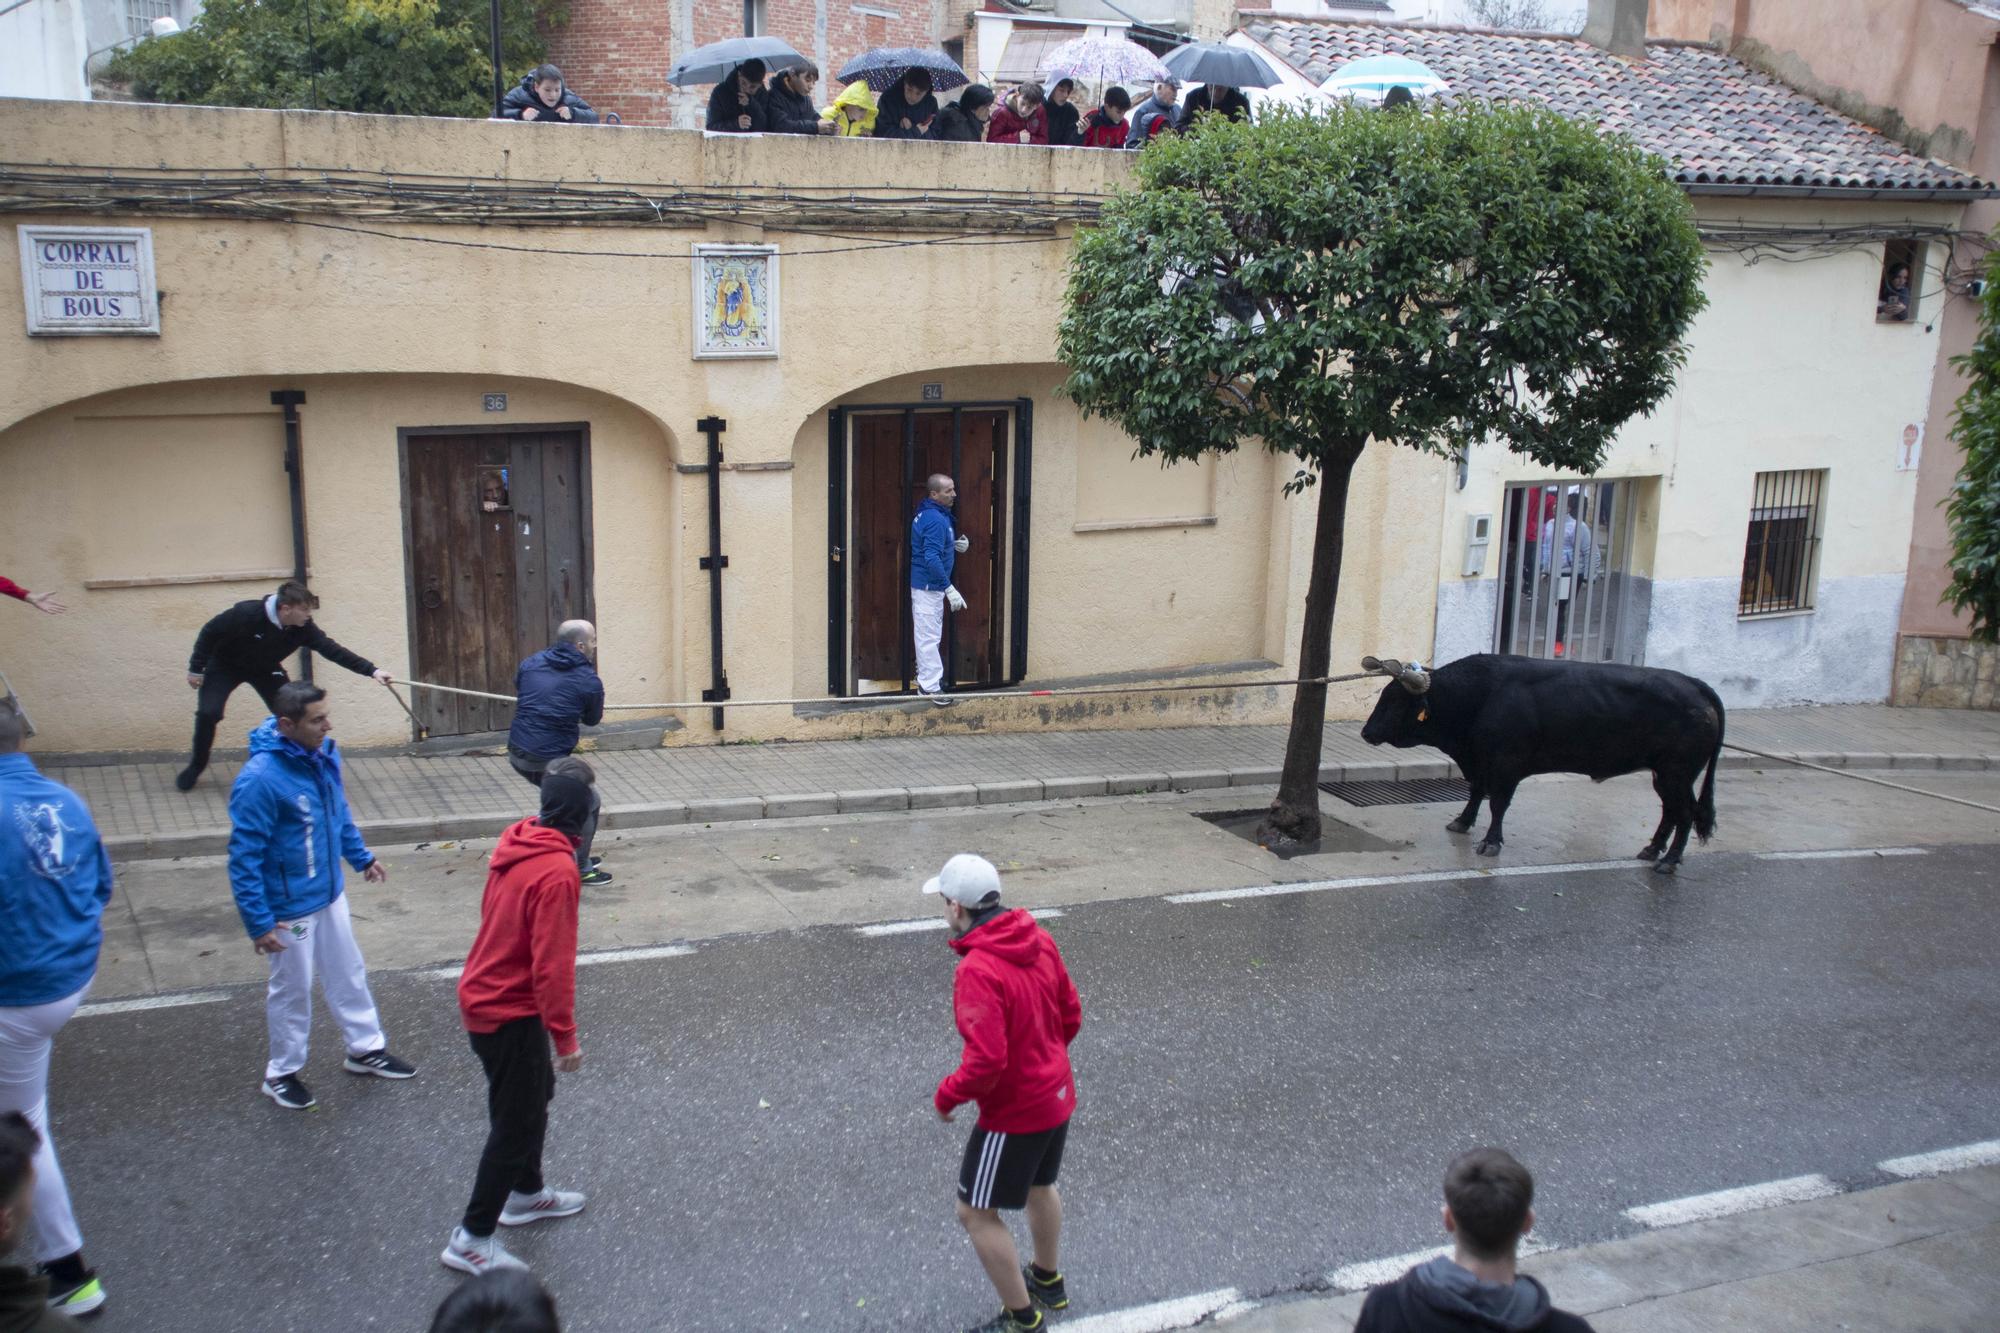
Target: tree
(1526, 15)
(1429, 279)
(392, 57)
(1973, 507)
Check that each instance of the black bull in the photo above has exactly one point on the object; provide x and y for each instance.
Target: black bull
(1502, 719)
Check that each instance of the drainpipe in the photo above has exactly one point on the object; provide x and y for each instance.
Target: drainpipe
(289, 399)
(715, 562)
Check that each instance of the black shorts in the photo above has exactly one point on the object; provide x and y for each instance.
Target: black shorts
(999, 1168)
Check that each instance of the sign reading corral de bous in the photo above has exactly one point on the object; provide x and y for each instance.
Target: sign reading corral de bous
(89, 280)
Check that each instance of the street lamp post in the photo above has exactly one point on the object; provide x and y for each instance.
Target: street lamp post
(499, 78)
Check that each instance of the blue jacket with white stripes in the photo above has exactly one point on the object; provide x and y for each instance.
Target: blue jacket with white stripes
(289, 831)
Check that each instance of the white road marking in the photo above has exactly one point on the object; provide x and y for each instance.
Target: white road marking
(150, 1002)
(1374, 881)
(1159, 1316)
(442, 973)
(1843, 854)
(1943, 1160)
(1725, 1203)
(1374, 1272)
(582, 959)
(937, 923)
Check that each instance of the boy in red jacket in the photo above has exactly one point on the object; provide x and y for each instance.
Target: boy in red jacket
(517, 995)
(1018, 1012)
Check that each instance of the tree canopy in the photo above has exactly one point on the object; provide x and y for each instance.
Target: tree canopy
(390, 57)
(1973, 507)
(1434, 279)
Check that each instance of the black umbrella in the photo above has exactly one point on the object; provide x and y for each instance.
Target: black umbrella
(884, 67)
(1216, 62)
(718, 60)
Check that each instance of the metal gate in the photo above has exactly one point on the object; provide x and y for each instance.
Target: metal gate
(1565, 572)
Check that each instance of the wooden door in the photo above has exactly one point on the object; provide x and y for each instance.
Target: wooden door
(498, 550)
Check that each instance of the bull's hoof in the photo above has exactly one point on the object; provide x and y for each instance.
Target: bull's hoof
(1490, 847)
(1459, 826)
(1665, 867)
(1649, 853)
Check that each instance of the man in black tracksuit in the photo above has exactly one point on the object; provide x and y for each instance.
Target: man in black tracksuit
(247, 645)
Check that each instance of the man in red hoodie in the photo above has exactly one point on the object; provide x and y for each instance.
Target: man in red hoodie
(517, 996)
(1018, 1012)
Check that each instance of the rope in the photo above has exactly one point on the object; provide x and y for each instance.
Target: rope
(899, 700)
(1862, 777)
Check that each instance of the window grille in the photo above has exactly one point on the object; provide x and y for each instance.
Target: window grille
(1781, 551)
(139, 15)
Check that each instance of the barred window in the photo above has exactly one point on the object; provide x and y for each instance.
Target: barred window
(139, 15)
(1781, 552)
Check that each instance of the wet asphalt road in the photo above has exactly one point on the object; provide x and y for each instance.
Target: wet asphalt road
(1269, 1088)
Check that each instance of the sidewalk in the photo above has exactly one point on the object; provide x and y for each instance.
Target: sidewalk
(403, 798)
(1919, 1255)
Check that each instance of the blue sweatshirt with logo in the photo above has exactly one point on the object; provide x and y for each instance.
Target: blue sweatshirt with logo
(931, 551)
(289, 831)
(55, 879)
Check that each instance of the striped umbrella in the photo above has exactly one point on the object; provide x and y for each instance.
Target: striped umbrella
(1095, 60)
(1370, 79)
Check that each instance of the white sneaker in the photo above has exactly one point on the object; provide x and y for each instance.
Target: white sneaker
(522, 1209)
(470, 1254)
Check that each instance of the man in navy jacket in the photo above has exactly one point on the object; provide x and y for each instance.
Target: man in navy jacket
(934, 546)
(289, 831)
(556, 691)
(55, 880)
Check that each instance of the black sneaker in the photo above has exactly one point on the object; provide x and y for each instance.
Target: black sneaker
(288, 1092)
(594, 877)
(1005, 1322)
(1050, 1295)
(596, 861)
(186, 778)
(75, 1298)
(379, 1063)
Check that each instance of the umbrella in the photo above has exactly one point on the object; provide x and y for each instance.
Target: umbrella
(1213, 62)
(883, 68)
(718, 60)
(1371, 78)
(1101, 60)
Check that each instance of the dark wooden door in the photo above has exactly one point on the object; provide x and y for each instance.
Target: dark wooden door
(499, 526)
(895, 454)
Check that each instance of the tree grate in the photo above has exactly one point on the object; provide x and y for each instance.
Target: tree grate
(1421, 791)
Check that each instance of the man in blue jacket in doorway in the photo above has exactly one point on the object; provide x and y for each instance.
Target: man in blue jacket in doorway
(555, 692)
(934, 547)
(289, 831)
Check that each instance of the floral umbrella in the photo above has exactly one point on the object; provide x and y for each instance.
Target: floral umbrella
(1096, 60)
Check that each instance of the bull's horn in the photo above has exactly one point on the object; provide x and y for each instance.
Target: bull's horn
(1414, 678)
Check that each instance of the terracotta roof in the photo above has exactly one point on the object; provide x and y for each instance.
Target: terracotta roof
(1719, 121)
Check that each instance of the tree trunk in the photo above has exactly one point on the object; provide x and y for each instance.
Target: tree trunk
(1293, 822)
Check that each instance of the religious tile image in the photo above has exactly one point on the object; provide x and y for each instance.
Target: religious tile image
(735, 301)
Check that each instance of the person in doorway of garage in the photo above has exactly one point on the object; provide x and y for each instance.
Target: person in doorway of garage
(1018, 1012)
(1488, 1198)
(1579, 559)
(246, 645)
(556, 691)
(934, 546)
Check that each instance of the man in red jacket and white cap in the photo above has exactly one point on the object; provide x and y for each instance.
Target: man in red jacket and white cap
(1018, 1012)
(517, 997)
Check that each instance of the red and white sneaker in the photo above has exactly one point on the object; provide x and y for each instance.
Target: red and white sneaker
(475, 1254)
(522, 1209)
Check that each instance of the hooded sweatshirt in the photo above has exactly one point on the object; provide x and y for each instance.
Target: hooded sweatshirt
(1064, 129)
(55, 879)
(1101, 131)
(520, 98)
(727, 103)
(895, 107)
(247, 640)
(289, 831)
(1007, 124)
(1018, 1012)
(787, 112)
(858, 94)
(1441, 1297)
(24, 1305)
(554, 691)
(523, 963)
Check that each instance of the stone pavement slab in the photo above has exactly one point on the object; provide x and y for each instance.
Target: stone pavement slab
(411, 797)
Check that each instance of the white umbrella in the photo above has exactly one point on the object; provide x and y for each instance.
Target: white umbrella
(1097, 60)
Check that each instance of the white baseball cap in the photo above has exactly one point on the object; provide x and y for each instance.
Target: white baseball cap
(967, 880)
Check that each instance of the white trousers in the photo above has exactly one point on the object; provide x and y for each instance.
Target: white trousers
(26, 1037)
(321, 944)
(927, 614)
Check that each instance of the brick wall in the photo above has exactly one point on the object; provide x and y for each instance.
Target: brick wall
(616, 53)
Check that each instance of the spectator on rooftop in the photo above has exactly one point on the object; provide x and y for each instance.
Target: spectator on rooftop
(1022, 118)
(788, 105)
(852, 114)
(541, 96)
(737, 104)
(1155, 114)
(907, 109)
(1105, 127)
(1064, 115)
(964, 121)
(1214, 97)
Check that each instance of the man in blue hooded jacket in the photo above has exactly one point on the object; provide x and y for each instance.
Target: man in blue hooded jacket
(934, 548)
(556, 692)
(55, 880)
(289, 831)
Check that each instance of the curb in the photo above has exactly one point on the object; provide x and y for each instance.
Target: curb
(889, 800)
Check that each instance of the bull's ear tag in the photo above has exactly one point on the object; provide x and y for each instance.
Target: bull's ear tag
(1424, 713)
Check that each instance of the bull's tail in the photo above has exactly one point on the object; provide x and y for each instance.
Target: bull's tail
(1704, 810)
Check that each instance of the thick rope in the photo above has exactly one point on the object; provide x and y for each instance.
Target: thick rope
(1862, 777)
